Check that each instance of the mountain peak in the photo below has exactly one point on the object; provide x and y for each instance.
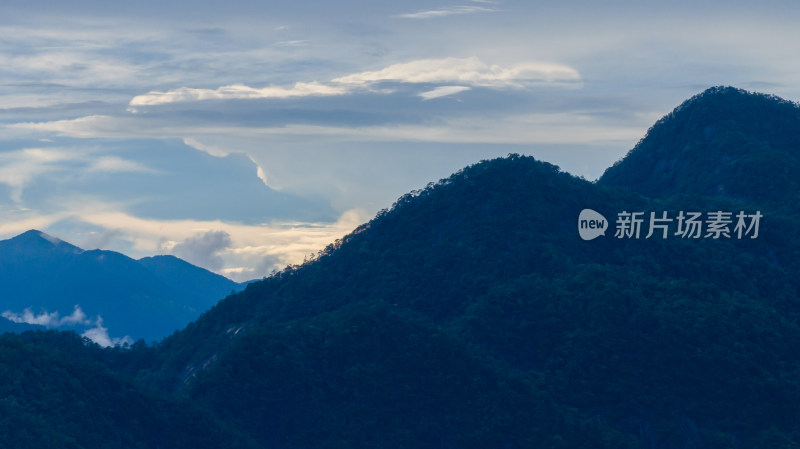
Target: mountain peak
(35, 233)
(142, 299)
(38, 240)
(722, 142)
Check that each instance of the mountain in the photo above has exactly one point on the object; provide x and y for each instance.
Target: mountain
(471, 314)
(191, 279)
(149, 298)
(10, 326)
(58, 393)
(721, 142)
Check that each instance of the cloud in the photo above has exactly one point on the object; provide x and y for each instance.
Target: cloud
(210, 149)
(294, 43)
(235, 92)
(28, 317)
(241, 252)
(219, 152)
(112, 164)
(260, 172)
(471, 71)
(99, 335)
(20, 168)
(48, 319)
(77, 317)
(218, 245)
(82, 127)
(203, 250)
(447, 11)
(21, 220)
(443, 91)
(534, 128)
(100, 240)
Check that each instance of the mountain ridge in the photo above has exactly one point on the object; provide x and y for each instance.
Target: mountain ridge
(491, 259)
(722, 142)
(141, 299)
(471, 314)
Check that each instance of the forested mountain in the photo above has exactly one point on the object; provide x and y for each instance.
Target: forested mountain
(57, 392)
(149, 298)
(472, 315)
(723, 142)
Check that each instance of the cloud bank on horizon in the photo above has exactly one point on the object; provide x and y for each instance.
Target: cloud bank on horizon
(246, 137)
(77, 320)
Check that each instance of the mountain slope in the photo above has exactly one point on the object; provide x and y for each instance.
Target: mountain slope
(142, 299)
(191, 279)
(352, 346)
(648, 343)
(722, 142)
(56, 392)
(472, 315)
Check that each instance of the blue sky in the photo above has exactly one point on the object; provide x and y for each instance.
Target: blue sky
(245, 135)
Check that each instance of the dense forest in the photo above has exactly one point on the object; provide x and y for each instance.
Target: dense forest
(470, 315)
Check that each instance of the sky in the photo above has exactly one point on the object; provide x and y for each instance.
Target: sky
(243, 136)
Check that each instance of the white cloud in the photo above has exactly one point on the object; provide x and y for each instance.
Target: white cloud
(114, 164)
(28, 317)
(471, 71)
(260, 173)
(19, 168)
(23, 220)
(447, 11)
(234, 271)
(544, 128)
(99, 335)
(77, 317)
(235, 92)
(294, 43)
(443, 91)
(210, 149)
(83, 127)
(48, 319)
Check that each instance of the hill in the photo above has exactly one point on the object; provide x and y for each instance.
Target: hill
(721, 142)
(471, 315)
(614, 342)
(149, 298)
(56, 392)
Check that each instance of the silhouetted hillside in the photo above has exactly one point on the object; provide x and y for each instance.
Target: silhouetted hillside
(55, 393)
(472, 315)
(190, 279)
(656, 343)
(722, 142)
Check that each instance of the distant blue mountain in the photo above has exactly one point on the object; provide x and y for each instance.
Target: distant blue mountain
(191, 279)
(148, 298)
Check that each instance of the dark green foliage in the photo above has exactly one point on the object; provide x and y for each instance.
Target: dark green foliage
(55, 392)
(373, 375)
(472, 315)
(722, 142)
